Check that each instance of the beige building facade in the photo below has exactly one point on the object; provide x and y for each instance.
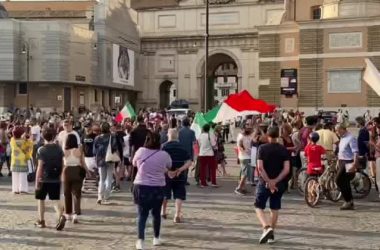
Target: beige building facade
(67, 49)
(173, 48)
(326, 42)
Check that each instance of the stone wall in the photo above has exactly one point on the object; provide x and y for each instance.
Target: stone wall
(271, 92)
(311, 79)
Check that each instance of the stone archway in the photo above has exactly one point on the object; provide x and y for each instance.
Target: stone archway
(224, 73)
(166, 92)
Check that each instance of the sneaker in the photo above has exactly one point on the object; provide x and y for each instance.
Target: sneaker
(115, 190)
(61, 223)
(75, 219)
(157, 242)
(40, 224)
(99, 202)
(239, 191)
(271, 239)
(106, 202)
(140, 245)
(347, 206)
(267, 233)
(214, 185)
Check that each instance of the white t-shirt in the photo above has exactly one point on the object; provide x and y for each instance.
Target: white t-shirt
(247, 143)
(206, 143)
(126, 146)
(36, 130)
(62, 137)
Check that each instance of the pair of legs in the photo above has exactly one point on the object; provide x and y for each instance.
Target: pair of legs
(178, 189)
(119, 173)
(53, 190)
(207, 162)
(105, 182)
(178, 208)
(20, 182)
(343, 181)
(263, 194)
(377, 172)
(265, 222)
(73, 193)
(148, 200)
(246, 173)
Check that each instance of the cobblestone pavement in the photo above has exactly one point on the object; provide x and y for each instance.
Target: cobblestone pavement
(216, 219)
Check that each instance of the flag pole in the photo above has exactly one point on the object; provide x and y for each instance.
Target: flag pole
(206, 56)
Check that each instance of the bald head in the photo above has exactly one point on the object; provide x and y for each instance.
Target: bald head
(172, 134)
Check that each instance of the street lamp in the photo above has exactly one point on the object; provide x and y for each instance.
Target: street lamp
(207, 52)
(26, 50)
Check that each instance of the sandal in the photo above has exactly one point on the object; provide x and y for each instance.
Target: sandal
(40, 224)
(177, 219)
(61, 223)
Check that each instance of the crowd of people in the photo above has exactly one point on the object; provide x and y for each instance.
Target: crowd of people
(156, 152)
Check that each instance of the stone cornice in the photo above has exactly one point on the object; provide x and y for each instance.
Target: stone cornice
(192, 44)
(280, 3)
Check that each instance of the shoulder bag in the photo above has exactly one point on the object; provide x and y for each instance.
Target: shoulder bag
(111, 157)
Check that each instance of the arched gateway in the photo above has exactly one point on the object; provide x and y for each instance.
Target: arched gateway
(223, 78)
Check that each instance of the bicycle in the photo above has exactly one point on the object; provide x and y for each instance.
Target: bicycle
(317, 186)
(361, 184)
(302, 175)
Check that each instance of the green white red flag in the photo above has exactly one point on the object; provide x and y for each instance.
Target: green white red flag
(126, 112)
(241, 104)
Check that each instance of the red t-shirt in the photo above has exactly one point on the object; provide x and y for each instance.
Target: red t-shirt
(314, 154)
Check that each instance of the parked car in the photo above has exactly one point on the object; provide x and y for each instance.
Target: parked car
(328, 117)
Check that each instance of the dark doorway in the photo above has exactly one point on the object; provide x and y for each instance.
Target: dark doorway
(67, 99)
(222, 80)
(165, 94)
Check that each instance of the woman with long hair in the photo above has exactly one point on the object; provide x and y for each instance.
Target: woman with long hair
(21, 153)
(105, 168)
(73, 174)
(148, 192)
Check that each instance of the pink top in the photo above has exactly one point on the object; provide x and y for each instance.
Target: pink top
(151, 167)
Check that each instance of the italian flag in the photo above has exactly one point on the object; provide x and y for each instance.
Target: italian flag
(198, 123)
(241, 104)
(372, 76)
(126, 112)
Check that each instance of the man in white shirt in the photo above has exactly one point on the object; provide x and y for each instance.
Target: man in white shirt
(244, 144)
(68, 129)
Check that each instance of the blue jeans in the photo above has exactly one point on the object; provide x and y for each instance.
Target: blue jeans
(148, 199)
(105, 181)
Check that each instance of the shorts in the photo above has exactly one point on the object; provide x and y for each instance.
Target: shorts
(90, 163)
(51, 189)
(245, 167)
(177, 188)
(127, 162)
(263, 194)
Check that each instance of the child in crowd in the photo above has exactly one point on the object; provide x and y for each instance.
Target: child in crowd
(314, 155)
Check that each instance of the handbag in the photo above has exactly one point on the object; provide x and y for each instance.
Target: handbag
(111, 157)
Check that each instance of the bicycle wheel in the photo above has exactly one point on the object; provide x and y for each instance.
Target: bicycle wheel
(361, 185)
(301, 179)
(312, 191)
(332, 191)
